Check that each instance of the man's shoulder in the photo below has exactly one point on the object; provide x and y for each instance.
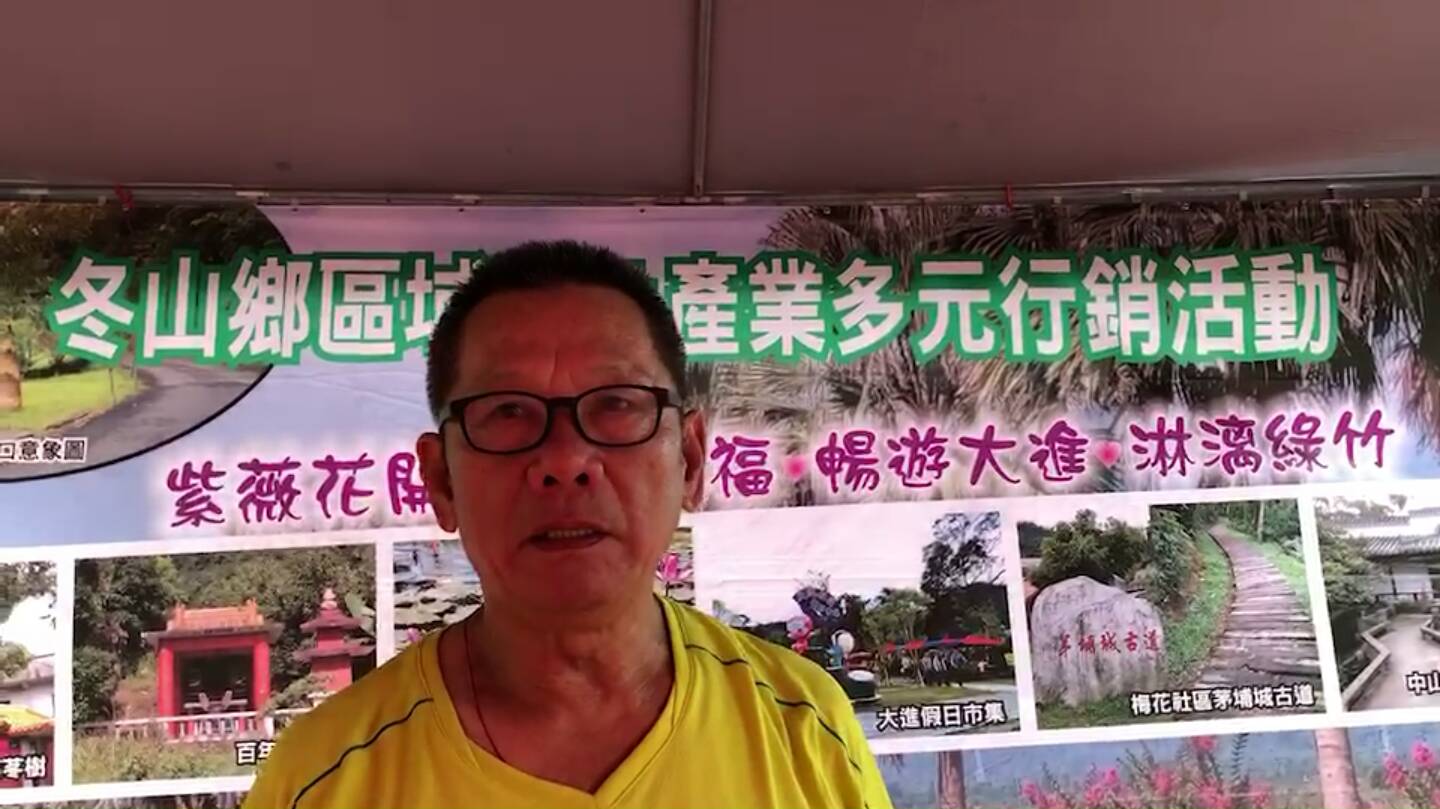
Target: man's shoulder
(810, 720)
(389, 693)
(777, 669)
(354, 719)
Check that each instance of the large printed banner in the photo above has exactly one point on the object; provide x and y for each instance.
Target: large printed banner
(1082, 506)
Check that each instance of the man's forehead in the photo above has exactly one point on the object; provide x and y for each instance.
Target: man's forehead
(583, 333)
(520, 372)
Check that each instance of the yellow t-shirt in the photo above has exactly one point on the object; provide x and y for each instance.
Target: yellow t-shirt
(747, 724)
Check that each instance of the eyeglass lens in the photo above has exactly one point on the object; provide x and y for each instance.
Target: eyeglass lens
(505, 422)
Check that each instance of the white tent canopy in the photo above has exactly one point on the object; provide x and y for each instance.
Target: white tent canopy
(703, 98)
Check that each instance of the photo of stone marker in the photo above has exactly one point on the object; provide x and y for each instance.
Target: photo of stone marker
(1167, 612)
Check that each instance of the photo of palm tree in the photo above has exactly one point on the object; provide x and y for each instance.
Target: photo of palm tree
(1387, 347)
(905, 605)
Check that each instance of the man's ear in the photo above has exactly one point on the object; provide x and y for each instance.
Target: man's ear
(692, 447)
(430, 449)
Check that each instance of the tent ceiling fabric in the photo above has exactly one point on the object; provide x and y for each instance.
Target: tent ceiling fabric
(557, 97)
(530, 95)
(988, 92)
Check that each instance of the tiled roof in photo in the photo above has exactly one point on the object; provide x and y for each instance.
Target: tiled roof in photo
(1389, 547)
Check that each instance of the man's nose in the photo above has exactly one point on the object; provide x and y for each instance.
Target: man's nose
(565, 458)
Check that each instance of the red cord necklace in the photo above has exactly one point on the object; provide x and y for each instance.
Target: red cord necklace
(475, 695)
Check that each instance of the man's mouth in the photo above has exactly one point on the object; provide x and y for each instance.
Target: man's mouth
(566, 539)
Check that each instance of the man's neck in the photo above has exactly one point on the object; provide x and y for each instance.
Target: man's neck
(620, 652)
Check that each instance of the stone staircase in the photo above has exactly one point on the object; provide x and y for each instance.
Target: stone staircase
(1269, 637)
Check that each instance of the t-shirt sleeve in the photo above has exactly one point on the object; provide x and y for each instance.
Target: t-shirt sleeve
(872, 784)
(269, 790)
(865, 789)
(275, 781)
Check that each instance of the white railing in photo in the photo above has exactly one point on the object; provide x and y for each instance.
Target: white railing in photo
(214, 727)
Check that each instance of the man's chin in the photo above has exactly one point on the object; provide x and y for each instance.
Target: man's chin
(578, 597)
(593, 588)
(595, 577)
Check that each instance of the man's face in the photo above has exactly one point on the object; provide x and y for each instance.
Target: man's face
(567, 525)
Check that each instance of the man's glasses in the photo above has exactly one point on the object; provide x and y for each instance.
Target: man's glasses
(507, 422)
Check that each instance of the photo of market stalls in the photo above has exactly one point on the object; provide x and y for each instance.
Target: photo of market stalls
(435, 584)
(27, 674)
(189, 665)
(1167, 612)
(904, 604)
(1381, 560)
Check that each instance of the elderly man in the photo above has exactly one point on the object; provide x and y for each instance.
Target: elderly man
(564, 454)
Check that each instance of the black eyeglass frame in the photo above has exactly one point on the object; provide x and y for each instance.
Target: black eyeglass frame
(664, 398)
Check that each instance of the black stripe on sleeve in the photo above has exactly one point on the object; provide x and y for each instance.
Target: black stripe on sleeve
(341, 760)
(786, 702)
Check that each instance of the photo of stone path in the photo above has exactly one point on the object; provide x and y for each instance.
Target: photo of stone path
(1168, 612)
(160, 403)
(1269, 635)
(48, 390)
(1410, 653)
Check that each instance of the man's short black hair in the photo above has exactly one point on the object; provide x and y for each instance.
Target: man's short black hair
(545, 265)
